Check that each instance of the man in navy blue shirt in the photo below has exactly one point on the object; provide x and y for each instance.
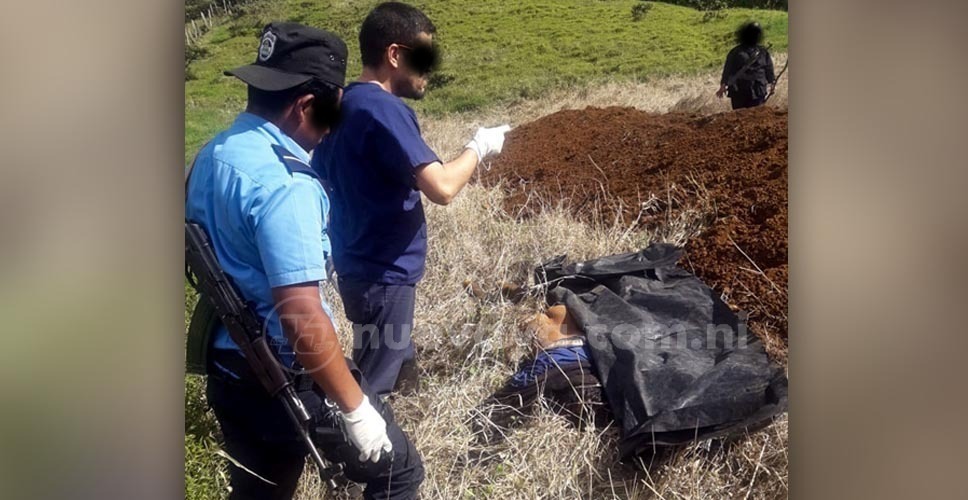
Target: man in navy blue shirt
(376, 165)
(252, 191)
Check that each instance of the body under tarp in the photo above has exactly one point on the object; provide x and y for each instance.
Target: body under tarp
(676, 364)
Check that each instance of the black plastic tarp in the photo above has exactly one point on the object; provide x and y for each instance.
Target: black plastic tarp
(676, 363)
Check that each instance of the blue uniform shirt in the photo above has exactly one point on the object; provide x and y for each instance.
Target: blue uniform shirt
(378, 228)
(266, 224)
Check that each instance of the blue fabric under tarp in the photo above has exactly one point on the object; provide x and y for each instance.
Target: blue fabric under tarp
(551, 359)
(562, 376)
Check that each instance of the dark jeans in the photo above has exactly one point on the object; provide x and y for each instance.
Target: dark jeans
(259, 435)
(740, 102)
(382, 317)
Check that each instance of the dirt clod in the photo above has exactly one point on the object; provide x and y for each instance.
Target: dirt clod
(645, 168)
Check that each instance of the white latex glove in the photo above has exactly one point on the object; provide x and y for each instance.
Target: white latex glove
(367, 431)
(488, 141)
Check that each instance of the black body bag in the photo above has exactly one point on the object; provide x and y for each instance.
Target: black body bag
(677, 365)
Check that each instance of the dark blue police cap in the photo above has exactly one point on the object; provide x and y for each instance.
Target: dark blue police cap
(291, 54)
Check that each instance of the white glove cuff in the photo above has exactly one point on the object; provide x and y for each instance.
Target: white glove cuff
(476, 148)
(358, 414)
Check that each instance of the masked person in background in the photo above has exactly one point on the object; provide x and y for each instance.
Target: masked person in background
(376, 164)
(748, 69)
(253, 192)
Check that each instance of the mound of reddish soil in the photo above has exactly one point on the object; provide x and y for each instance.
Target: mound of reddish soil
(612, 160)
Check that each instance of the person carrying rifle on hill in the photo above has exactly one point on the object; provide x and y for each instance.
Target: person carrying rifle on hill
(377, 165)
(263, 210)
(748, 69)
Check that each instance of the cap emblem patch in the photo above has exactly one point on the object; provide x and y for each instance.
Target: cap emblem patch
(267, 45)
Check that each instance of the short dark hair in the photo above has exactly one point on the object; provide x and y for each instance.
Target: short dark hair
(749, 34)
(325, 105)
(388, 23)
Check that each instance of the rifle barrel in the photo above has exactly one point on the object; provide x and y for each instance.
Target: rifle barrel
(297, 413)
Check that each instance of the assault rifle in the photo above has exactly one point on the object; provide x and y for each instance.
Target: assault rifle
(777, 80)
(749, 63)
(247, 331)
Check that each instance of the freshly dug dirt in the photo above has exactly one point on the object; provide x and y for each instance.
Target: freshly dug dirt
(648, 168)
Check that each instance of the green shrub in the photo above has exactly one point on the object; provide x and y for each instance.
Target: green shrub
(193, 53)
(639, 10)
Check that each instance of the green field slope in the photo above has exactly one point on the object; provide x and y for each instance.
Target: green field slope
(494, 51)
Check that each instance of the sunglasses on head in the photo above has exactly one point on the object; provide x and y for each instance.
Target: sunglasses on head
(422, 59)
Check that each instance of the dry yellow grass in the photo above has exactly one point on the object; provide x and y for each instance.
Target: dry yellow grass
(469, 346)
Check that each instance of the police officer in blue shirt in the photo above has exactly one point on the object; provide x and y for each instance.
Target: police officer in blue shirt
(377, 165)
(253, 192)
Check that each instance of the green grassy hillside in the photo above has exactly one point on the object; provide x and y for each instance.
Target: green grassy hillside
(494, 51)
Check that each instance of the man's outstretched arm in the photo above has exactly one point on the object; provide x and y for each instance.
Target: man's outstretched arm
(442, 181)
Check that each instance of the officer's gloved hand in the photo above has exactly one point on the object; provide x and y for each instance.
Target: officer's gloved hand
(367, 431)
(488, 141)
